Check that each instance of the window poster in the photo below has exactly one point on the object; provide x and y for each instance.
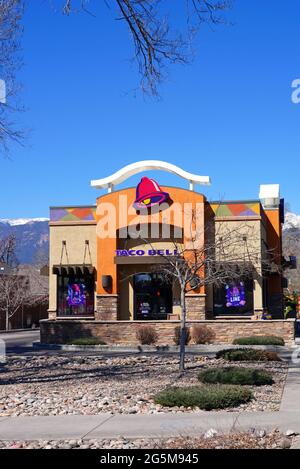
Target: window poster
(76, 294)
(235, 295)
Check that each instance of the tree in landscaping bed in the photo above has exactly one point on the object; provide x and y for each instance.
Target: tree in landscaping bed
(259, 340)
(236, 375)
(206, 397)
(248, 354)
(211, 257)
(177, 335)
(146, 335)
(202, 335)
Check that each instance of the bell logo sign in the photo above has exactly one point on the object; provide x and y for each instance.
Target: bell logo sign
(149, 194)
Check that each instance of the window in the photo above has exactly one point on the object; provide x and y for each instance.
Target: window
(75, 295)
(234, 298)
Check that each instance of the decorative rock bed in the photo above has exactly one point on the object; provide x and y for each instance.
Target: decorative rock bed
(60, 384)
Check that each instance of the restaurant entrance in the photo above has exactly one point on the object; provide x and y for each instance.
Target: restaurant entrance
(152, 297)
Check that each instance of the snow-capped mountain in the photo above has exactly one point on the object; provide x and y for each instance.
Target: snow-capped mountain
(21, 221)
(32, 238)
(292, 221)
(291, 247)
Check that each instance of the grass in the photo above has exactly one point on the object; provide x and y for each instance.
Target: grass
(259, 340)
(236, 375)
(207, 397)
(86, 341)
(248, 354)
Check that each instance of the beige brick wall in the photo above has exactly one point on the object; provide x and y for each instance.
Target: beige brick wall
(75, 236)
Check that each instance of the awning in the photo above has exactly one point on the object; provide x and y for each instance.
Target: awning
(73, 269)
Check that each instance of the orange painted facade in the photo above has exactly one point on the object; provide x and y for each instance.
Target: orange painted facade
(118, 204)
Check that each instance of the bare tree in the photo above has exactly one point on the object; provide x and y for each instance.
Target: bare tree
(11, 12)
(14, 293)
(224, 252)
(8, 251)
(156, 42)
(19, 285)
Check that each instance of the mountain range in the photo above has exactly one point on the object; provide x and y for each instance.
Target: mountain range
(32, 237)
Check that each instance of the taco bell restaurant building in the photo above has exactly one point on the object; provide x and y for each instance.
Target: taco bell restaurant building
(107, 274)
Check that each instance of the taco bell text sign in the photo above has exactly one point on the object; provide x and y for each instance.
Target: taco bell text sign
(149, 252)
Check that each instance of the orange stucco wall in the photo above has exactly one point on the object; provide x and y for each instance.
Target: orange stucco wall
(122, 201)
(274, 240)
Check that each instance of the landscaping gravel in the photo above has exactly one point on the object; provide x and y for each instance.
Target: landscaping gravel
(89, 385)
(249, 440)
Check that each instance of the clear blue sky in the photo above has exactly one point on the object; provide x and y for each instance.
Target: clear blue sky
(228, 115)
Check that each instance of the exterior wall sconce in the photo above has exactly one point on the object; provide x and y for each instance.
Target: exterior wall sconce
(107, 282)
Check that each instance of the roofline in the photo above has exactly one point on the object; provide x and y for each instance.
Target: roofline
(223, 202)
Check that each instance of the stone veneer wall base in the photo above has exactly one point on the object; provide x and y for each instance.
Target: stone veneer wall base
(124, 332)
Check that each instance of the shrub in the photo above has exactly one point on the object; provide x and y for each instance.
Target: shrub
(236, 375)
(206, 397)
(202, 335)
(146, 335)
(259, 340)
(247, 354)
(86, 341)
(176, 337)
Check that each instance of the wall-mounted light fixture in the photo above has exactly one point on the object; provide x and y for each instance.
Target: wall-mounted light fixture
(107, 282)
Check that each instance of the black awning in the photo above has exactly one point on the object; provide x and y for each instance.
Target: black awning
(73, 269)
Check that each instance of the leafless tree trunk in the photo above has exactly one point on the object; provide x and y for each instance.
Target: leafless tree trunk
(182, 328)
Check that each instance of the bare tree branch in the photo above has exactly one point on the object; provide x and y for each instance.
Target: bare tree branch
(11, 12)
(156, 42)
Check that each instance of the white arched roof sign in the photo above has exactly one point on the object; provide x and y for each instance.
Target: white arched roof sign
(148, 165)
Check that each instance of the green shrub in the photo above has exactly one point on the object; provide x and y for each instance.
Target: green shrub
(247, 354)
(176, 337)
(86, 341)
(236, 375)
(202, 334)
(206, 397)
(259, 340)
(146, 335)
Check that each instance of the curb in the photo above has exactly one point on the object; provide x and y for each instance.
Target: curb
(27, 329)
(152, 348)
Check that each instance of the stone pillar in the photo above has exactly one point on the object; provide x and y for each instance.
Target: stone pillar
(195, 307)
(107, 308)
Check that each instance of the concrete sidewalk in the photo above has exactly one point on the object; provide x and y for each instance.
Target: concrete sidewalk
(105, 426)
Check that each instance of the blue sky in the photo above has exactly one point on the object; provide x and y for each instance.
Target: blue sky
(228, 115)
